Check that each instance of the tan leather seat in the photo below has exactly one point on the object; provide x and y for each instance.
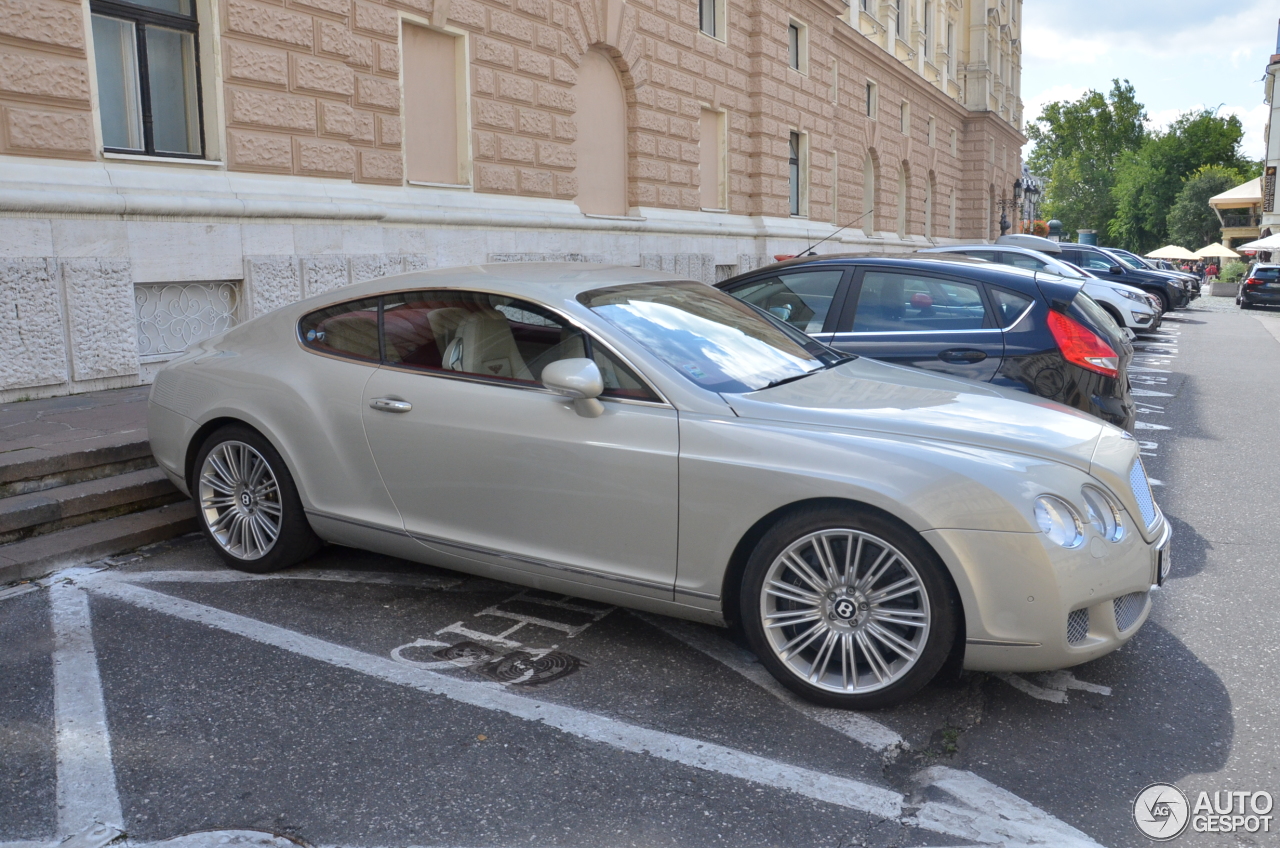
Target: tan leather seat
(484, 345)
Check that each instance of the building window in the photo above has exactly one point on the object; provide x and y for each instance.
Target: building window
(872, 100)
(951, 51)
(869, 195)
(955, 145)
(433, 133)
(905, 118)
(933, 131)
(148, 77)
(928, 30)
(903, 187)
(899, 24)
(711, 17)
(793, 170)
(797, 46)
(835, 82)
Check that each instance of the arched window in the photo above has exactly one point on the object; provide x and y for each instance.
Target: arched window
(869, 194)
(601, 146)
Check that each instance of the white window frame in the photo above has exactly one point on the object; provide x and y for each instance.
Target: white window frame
(800, 55)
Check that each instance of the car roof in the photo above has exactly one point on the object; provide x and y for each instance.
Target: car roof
(1015, 248)
(987, 271)
(535, 280)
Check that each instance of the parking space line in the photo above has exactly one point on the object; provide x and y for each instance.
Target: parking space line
(86, 779)
(856, 726)
(707, 756)
(379, 578)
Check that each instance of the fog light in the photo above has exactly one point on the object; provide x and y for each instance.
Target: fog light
(1058, 521)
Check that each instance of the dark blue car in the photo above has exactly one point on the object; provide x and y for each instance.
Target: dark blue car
(992, 323)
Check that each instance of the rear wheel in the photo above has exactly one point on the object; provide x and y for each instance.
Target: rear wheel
(1164, 301)
(848, 608)
(248, 505)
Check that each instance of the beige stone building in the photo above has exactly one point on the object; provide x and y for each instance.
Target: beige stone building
(171, 167)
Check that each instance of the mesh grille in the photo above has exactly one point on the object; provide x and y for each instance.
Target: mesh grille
(1142, 492)
(1128, 609)
(1077, 625)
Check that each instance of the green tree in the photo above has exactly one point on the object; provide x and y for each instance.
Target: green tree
(1192, 222)
(1077, 144)
(1148, 180)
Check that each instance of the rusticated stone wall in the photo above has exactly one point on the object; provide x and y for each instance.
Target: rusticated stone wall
(312, 87)
(44, 80)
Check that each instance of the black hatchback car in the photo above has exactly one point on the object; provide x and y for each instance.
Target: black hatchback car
(1261, 287)
(992, 323)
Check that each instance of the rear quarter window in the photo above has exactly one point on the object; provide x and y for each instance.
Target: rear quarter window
(348, 330)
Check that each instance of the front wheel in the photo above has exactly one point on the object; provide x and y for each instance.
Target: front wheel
(848, 608)
(248, 505)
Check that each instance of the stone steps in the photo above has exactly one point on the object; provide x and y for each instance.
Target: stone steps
(76, 500)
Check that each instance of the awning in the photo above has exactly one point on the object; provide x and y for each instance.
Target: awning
(1172, 251)
(1213, 251)
(1240, 197)
(1268, 243)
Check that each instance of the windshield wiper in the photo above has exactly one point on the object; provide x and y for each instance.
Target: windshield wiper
(790, 379)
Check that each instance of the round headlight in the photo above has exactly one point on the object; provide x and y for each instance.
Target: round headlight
(1058, 521)
(1103, 514)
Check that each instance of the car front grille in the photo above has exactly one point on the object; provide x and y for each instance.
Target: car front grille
(1142, 492)
(1077, 626)
(1128, 609)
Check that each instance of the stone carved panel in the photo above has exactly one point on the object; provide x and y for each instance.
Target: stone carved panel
(104, 340)
(547, 257)
(172, 317)
(693, 266)
(322, 274)
(372, 267)
(273, 282)
(32, 349)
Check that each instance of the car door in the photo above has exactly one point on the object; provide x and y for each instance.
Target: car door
(807, 299)
(923, 319)
(483, 462)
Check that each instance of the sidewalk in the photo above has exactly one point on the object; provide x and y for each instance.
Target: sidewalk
(38, 424)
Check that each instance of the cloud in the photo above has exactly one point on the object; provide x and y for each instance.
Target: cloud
(1032, 106)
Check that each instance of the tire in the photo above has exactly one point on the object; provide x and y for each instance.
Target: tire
(1164, 302)
(845, 619)
(259, 527)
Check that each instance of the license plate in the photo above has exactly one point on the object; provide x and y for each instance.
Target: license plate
(1161, 564)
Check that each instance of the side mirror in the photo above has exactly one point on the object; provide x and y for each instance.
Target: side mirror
(578, 379)
(1115, 269)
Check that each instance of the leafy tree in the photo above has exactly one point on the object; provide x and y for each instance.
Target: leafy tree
(1192, 223)
(1077, 144)
(1148, 180)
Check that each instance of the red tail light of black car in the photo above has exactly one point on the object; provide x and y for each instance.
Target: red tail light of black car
(1082, 346)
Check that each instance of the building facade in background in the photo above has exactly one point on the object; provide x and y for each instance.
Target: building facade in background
(1271, 138)
(169, 168)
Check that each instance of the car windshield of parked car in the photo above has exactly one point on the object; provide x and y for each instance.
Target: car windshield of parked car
(710, 338)
(1124, 260)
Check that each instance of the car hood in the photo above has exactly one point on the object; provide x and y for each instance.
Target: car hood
(870, 395)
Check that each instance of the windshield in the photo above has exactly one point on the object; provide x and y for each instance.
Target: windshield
(1122, 259)
(710, 338)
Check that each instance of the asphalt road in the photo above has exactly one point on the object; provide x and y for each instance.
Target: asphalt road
(364, 701)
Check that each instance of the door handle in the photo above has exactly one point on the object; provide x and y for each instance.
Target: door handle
(390, 405)
(962, 354)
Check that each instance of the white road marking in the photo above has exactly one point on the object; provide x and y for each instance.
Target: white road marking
(1051, 686)
(1017, 820)
(87, 796)
(1153, 481)
(697, 754)
(1143, 425)
(1149, 393)
(565, 602)
(856, 726)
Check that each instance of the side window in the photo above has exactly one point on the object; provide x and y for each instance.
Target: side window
(491, 336)
(894, 301)
(802, 299)
(1009, 305)
(347, 329)
(1021, 260)
(1092, 261)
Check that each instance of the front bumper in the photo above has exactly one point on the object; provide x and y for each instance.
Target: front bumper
(1032, 606)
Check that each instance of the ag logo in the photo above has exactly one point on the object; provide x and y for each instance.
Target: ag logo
(1161, 812)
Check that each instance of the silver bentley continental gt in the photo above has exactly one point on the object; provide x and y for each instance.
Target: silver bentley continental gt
(613, 434)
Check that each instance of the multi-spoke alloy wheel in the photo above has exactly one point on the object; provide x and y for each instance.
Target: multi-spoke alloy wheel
(240, 499)
(845, 611)
(248, 504)
(848, 609)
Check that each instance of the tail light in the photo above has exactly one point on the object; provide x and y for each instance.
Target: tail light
(1254, 281)
(783, 257)
(1081, 346)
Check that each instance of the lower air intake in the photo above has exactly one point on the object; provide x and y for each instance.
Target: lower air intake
(1129, 609)
(1077, 626)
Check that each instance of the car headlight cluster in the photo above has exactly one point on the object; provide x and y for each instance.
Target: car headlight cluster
(1141, 298)
(1062, 524)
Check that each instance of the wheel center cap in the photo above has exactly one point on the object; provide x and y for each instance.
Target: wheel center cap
(845, 609)
(246, 500)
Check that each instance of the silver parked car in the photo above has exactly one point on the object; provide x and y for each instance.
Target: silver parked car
(612, 434)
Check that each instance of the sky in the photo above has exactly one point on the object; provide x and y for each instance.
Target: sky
(1179, 55)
